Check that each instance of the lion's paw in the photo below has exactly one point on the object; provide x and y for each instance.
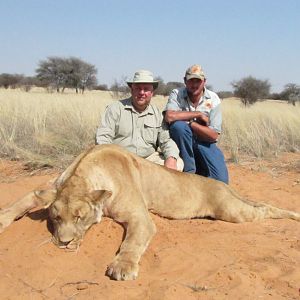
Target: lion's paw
(122, 270)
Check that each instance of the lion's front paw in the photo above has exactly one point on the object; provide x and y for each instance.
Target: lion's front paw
(122, 270)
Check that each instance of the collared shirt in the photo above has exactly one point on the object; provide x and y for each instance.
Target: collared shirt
(209, 104)
(140, 133)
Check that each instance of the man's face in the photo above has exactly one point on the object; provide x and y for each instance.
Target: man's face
(141, 95)
(194, 86)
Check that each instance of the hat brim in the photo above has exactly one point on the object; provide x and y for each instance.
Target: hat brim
(154, 83)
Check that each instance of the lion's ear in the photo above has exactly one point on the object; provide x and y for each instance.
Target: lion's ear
(100, 195)
(46, 197)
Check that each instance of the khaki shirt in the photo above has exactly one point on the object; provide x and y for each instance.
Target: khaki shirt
(140, 133)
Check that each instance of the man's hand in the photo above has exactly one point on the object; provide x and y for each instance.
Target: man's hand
(204, 133)
(203, 119)
(171, 163)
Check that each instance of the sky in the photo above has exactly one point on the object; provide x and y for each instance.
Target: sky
(230, 39)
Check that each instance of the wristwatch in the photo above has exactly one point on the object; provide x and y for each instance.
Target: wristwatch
(192, 120)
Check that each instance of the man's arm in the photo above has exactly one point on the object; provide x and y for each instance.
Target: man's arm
(209, 133)
(203, 132)
(198, 122)
(106, 131)
(172, 116)
(175, 112)
(168, 147)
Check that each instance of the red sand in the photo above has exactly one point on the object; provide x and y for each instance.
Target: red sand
(191, 259)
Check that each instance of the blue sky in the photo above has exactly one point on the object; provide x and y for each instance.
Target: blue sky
(230, 39)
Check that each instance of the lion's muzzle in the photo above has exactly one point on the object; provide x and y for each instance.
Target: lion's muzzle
(72, 245)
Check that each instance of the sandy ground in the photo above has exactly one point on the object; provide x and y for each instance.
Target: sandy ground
(190, 259)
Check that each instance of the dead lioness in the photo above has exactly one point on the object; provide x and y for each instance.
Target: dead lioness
(107, 180)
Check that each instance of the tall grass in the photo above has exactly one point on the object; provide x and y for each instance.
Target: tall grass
(264, 129)
(48, 128)
(53, 128)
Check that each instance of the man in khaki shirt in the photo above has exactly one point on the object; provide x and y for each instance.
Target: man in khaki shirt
(137, 125)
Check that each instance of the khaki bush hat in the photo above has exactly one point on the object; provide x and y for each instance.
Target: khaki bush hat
(195, 71)
(143, 76)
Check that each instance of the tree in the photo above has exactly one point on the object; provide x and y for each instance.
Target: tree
(120, 88)
(10, 80)
(67, 72)
(101, 87)
(225, 94)
(18, 80)
(54, 72)
(291, 93)
(161, 89)
(81, 74)
(165, 89)
(171, 85)
(27, 83)
(250, 89)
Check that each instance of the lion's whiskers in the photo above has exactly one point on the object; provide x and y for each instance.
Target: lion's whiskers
(72, 249)
(44, 242)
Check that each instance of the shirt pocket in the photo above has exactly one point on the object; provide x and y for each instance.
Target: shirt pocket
(124, 127)
(150, 132)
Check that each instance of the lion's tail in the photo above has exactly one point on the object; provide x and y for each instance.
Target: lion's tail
(242, 210)
(265, 211)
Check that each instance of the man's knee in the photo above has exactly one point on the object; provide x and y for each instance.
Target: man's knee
(180, 128)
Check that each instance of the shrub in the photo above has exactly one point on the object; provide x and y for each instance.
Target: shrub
(250, 89)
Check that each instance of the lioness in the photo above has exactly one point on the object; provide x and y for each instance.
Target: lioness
(107, 180)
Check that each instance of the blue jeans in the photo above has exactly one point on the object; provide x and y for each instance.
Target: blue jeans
(199, 157)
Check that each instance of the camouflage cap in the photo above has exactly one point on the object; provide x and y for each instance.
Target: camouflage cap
(195, 71)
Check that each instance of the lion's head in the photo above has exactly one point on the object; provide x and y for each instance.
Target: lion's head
(72, 215)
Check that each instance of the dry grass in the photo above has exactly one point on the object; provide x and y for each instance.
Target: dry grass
(48, 128)
(53, 128)
(262, 130)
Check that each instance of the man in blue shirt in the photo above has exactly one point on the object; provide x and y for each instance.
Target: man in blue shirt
(194, 115)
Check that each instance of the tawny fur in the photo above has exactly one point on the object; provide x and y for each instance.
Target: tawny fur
(107, 180)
